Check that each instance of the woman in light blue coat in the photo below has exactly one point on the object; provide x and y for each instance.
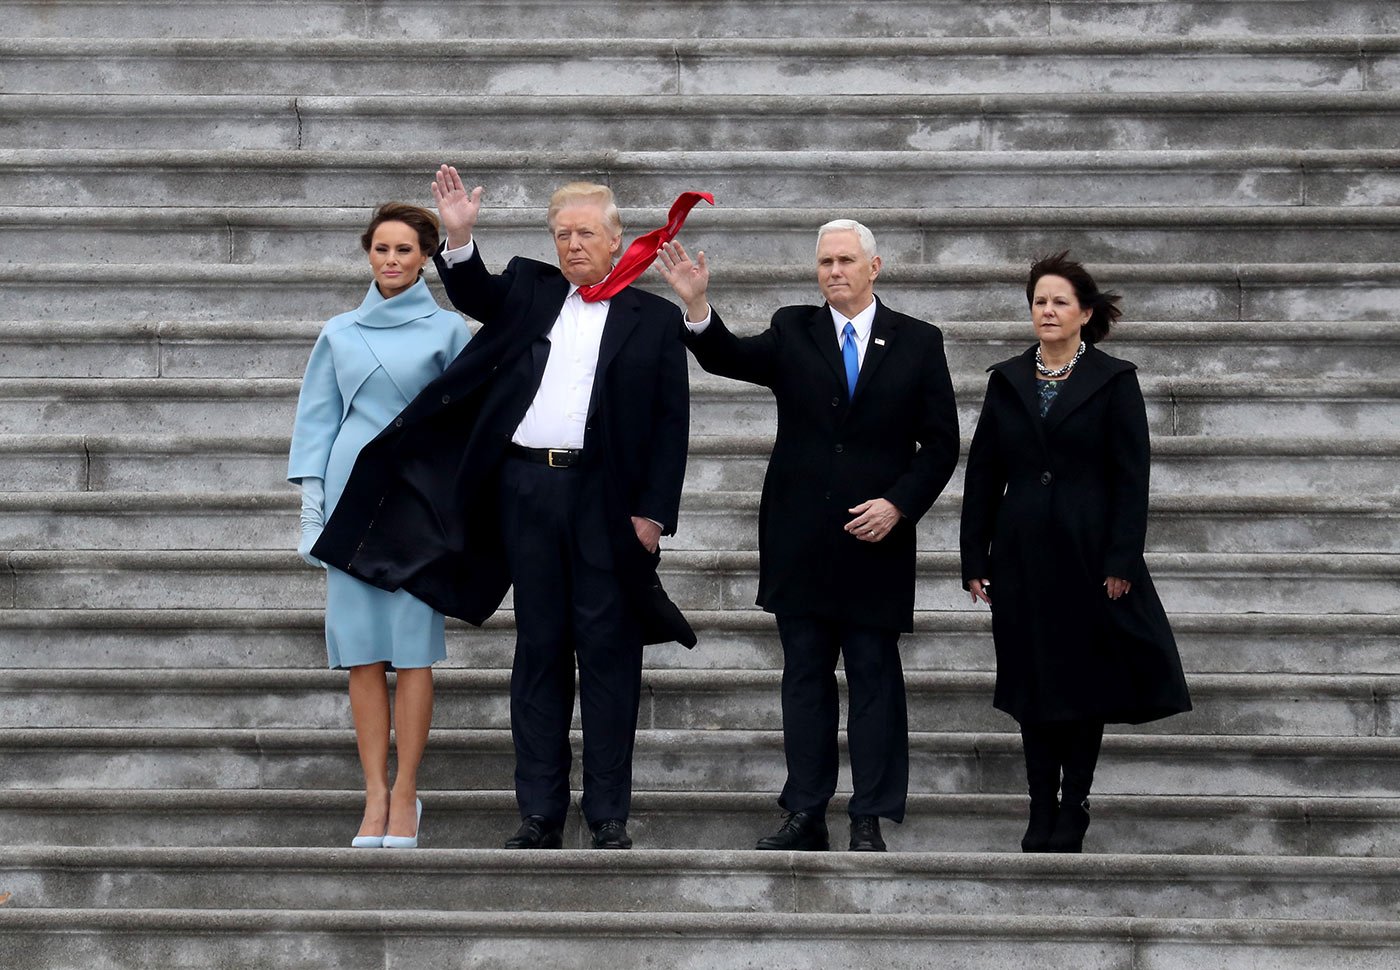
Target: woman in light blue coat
(364, 369)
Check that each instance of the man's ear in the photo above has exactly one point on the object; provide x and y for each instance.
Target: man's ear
(875, 265)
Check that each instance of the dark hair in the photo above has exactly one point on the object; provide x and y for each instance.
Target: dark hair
(415, 217)
(1103, 306)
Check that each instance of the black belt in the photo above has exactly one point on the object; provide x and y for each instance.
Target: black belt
(553, 457)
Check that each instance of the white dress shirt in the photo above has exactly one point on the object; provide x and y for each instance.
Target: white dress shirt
(862, 322)
(557, 415)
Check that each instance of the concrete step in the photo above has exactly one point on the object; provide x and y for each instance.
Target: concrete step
(247, 579)
(67, 939)
(1186, 292)
(703, 66)
(712, 520)
(1229, 406)
(652, 881)
(725, 760)
(278, 348)
(212, 639)
(1341, 705)
(218, 463)
(857, 179)
(696, 18)
(1027, 121)
(1195, 825)
(735, 236)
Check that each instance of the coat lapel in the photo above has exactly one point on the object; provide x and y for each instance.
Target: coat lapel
(1020, 374)
(882, 339)
(823, 333)
(624, 312)
(1094, 370)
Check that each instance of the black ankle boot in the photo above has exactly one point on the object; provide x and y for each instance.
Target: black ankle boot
(1070, 826)
(1044, 812)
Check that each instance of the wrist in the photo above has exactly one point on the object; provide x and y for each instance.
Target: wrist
(458, 239)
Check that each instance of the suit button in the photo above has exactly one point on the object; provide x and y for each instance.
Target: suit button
(1046, 478)
(836, 402)
(398, 422)
(840, 448)
(447, 399)
(828, 496)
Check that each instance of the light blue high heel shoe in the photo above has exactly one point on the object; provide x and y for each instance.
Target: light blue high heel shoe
(407, 841)
(367, 842)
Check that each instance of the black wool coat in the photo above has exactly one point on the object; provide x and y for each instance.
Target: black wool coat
(420, 511)
(896, 439)
(1051, 508)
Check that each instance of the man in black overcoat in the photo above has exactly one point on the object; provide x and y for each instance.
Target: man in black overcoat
(550, 456)
(867, 437)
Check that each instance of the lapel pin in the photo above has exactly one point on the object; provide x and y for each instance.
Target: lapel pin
(879, 341)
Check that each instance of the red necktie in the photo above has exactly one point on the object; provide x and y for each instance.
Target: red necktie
(642, 252)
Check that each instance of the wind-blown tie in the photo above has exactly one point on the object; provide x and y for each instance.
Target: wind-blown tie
(642, 252)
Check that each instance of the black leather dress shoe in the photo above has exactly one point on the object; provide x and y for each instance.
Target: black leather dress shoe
(865, 834)
(611, 833)
(536, 832)
(801, 832)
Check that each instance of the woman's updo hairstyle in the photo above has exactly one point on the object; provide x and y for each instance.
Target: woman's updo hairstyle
(417, 218)
(1103, 307)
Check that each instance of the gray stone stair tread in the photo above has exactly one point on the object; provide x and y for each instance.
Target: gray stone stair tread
(367, 940)
(651, 880)
(731, 217)
(1196, 825)
(711, 18)
(301, 48)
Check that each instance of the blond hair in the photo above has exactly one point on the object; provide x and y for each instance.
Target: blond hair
(586, 193)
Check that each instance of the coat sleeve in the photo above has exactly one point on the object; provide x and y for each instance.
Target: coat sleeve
(472, 288)
(1129, 462)
(319, 411)
(752, 359)
(660, 498)
(937, 434)
(983, 487)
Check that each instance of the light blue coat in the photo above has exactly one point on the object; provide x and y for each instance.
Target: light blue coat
(366, 366)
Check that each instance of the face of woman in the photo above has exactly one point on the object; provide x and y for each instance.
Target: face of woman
(395, 257)
(1056, 313)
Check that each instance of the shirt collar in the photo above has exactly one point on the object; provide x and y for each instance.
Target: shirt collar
(862, 321)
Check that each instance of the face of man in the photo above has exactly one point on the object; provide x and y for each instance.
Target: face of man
(584, 243)
(844, 273)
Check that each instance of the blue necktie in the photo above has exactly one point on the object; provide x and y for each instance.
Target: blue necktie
(852, 359)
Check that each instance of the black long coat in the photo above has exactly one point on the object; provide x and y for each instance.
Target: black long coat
(420, 509)
(896, 439)
(1051, 508)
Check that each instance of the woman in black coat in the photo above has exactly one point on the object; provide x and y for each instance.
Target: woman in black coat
(1054, 522)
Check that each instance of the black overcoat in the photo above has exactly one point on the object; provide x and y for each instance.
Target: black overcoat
(420, 509)
(896, 439)
(1051, 508)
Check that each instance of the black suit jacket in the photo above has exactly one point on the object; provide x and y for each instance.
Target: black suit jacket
(897, 439)
(420, 509)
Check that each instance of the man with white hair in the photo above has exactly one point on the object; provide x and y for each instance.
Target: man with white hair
(867, 437)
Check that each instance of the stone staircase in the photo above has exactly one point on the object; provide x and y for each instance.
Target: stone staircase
(181, 189)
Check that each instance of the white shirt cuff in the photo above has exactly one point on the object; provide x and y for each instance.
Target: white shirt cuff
(699, 326)
(459, 255)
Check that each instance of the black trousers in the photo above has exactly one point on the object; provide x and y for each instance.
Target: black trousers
(1060, 758)
(567, 606)
(877, 726)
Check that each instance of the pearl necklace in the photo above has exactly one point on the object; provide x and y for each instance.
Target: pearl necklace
(1058, 371)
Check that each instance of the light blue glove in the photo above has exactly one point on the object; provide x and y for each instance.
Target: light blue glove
(313, 518)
